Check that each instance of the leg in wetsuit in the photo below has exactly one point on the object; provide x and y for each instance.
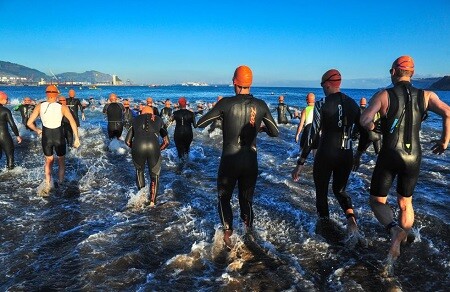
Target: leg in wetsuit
(147, 153)
(115, 130)
(339, 163)
(183, 140)
(7, 146)
(241, 168)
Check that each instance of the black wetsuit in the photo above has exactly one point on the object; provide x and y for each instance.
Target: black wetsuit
(67, 129)
(114, 113)
(375, 138)
(183, 135)
(336, 118)
(74, 104)
(6, 142)
(128, 116)
(25, 111)
(401, 152)
(145, 149)
(282, 108)
(155, 110)
(242, 116)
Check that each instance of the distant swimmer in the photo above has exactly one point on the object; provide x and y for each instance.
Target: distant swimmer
(242, 116)
(128, 114)
(114, 114)
(166, 113)
(306, 118)
(402, 110)
(51, 114)
(184, 121)
(334, 117)
(142, 137)
(282, 110)
(25, 109)
(150, 104)
(6, 142)
(74, 104)
(67, 129)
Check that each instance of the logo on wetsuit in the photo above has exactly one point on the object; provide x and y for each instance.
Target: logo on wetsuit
(252, 116)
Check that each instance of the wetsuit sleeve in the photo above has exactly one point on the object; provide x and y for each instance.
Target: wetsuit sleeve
(163, 132)
(289, 111)
(194, 123)
(129, 136)
(105, 108)
(269, 122)
(10, 120)
(209, 117)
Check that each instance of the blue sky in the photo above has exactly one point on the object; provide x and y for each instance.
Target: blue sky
(286, 43)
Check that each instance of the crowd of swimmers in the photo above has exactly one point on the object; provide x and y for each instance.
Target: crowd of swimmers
(329, 127)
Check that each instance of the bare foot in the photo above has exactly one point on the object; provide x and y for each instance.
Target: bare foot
(152, 204)
(226, 238)
(398, 235)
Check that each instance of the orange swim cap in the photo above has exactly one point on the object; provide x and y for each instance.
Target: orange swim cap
(404, 62)
(333, 77)
(71, 93)
(182, 101)
(52, 91)
(3, 95)
(126, 103)
(147, 110)
(310, 98)
(363, 101)
(243, 76)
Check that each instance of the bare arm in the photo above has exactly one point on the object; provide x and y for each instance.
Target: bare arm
(300, 126)
(378, 103)
(434, 104)
(33, 117)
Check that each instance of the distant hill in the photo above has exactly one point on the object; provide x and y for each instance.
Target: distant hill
(442, 84)
(16, 70)
(89, 76)
(33, 75)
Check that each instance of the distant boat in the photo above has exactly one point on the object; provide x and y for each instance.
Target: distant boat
(93, 87)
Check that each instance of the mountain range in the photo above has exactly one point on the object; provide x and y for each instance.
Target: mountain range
(9, 69)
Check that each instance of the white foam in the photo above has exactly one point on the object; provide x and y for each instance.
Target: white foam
(138, 200)
(117, 146)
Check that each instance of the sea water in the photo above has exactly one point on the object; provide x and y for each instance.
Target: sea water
(93, 233)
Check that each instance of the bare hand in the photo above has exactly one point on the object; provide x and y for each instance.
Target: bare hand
(296, 172)
(19, 139)
(76, 143)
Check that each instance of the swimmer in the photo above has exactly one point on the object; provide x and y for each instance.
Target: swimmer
(150, 104)
(74, 104)
(128, 114)
(334, 117)
(51, 114)
(282, 108)
(142, 137)
(25, 109)
(114, 114)
(306, 118)
(242, 116)
(67, 129)
(166, 113)
(6, 142)
(183, 135)
(402, 110)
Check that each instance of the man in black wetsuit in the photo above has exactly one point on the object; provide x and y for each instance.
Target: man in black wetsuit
(374, 138)
(6, 142)
(402, 109)
(67, 129)
(282, 108)
(25, 109)
(142, 137)
(74, 104)
(335, 117)
(114, 114)
(150, 104)
(242, 116)
(128, 114)
(183, 135)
